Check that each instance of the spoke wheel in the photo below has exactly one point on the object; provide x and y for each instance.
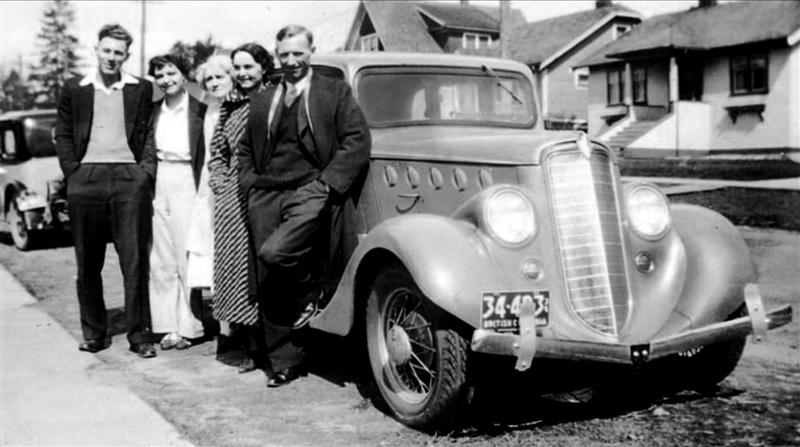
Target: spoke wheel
(418, 361)
(22, 237)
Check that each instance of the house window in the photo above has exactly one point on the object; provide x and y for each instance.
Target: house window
(749, 74)
(370, 42)
(639, 85)
(581, 77)
(620, 30)
(615, 86)
(473, 41)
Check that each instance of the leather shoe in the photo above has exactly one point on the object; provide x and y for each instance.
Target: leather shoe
(247, 365)
(311, 309)
(144, 350)
(283, 377)
(183, 344)
(93, 345)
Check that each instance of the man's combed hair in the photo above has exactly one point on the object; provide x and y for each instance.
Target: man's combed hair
(294, 30)
(115, 31)
(159, 62)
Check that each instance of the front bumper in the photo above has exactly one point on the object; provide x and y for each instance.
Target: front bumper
(527, 345)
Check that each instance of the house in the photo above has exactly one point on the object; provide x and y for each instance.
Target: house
(551, 47)
(715, 78)
(426, 27)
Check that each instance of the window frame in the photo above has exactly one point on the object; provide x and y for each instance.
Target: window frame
(643, 69)
(749, 70)
(578, 73)
(620, 86)
(476, 39)
(369, 39)
(617, 28)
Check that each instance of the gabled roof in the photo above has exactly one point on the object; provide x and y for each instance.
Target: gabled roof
(536, 42)
(457, 16)
(711, 27)
(400, 27)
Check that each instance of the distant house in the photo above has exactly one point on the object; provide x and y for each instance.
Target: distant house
(715, 78)
(426, 27)
(551, 47)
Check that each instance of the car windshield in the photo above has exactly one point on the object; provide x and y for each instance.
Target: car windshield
(402, 96)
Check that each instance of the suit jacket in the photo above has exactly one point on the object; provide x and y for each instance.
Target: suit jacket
(74, 125)
(331, 126)
(197, 143)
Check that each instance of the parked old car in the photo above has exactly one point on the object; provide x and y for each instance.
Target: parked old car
(477, 232)
(33, 198)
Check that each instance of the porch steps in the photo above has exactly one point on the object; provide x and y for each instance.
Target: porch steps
(629, 134)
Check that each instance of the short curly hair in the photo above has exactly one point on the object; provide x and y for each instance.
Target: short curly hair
(160, 61)
(215, 61)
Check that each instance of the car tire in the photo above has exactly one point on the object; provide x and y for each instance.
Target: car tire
(417, 357)
(713, 363)
(23, 238)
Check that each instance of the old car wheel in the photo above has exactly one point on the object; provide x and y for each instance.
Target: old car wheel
(711, 364)
(22, 237)
(417, 358)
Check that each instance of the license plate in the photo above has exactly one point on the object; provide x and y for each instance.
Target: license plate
(501, 309)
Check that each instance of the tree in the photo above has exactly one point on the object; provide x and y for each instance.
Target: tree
(15, 93)
(196, 53)
(58, 59)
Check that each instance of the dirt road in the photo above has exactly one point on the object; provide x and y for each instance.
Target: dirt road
(758, 405)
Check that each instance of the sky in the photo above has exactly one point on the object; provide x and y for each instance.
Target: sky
(230, 23)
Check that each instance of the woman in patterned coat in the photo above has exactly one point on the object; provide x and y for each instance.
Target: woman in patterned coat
(235, 298)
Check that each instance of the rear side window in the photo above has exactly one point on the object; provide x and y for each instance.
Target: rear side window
(39, 134)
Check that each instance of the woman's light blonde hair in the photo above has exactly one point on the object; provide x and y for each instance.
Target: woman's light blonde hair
(214, 61)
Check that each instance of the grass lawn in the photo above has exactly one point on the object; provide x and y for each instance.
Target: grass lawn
(762, 208)
(709, 168)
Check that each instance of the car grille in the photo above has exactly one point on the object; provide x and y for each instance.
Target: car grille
(589, 238)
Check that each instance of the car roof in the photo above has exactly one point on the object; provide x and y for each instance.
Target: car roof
(21, 114)
(352, 61)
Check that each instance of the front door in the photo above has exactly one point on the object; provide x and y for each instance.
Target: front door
(690, 78)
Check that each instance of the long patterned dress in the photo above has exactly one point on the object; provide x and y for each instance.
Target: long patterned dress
(235, 300)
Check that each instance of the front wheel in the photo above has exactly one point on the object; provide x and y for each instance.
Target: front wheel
(418, 359)
(23, 238)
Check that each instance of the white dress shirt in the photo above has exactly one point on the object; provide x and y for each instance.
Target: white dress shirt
(172, 131)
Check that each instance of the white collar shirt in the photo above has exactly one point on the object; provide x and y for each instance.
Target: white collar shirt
(172, 131)
(302, 85)
(93, 78)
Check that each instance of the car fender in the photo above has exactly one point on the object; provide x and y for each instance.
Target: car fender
(446, 257)
(718, 267)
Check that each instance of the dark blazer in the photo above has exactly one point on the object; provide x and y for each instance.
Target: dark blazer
(75, 110)
(332, 124)
(197, 144)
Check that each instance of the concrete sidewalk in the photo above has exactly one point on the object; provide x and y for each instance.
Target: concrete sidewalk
(53, 394)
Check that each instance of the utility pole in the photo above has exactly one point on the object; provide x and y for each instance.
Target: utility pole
(505, 25)
(142, 70)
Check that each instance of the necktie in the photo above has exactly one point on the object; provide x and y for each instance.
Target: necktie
(291, 94)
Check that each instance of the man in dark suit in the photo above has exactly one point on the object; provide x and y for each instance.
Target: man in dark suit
(306, 145)
(104, 141)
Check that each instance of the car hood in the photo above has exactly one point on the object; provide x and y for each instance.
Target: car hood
(470, 144)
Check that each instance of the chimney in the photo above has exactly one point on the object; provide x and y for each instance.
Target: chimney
(602, 3)
(706, 3)
(464, 2)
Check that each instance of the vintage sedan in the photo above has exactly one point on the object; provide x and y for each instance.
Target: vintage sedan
(33, 195)
(478, 232)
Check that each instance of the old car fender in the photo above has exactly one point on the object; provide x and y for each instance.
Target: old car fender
(718, 268)
(446, 257)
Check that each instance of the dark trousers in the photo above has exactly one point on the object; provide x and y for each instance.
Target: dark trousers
(112, 200)
(289, 229)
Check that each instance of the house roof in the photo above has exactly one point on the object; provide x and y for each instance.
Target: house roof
(707, 28)
(400, 27)
(535, 42)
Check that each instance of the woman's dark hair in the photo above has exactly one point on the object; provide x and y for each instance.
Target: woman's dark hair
(179, 62)
(260, 55)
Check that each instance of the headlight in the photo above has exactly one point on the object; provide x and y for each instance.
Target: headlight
(648, 211)
(509, 216)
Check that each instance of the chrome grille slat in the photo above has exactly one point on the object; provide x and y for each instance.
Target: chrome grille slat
(587, 221)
